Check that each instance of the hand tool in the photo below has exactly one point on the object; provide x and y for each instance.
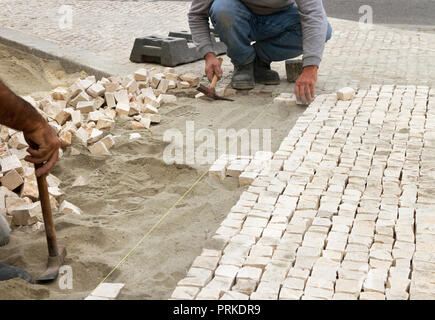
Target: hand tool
(56, 254)
(211, 92)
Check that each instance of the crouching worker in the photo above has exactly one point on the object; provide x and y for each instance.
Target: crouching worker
(257, 32)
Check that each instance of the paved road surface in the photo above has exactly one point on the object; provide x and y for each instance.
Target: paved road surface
(417, 12)
(408, 12)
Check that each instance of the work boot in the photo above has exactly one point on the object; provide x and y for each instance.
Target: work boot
(263, 74)
(243, 77)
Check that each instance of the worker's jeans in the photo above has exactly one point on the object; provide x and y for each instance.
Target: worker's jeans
(5, 231)
(277, 37)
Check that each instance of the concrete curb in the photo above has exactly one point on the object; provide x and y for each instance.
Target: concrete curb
(71, 59)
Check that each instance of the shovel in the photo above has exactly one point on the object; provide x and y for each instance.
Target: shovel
(56, 254)
(211, 92)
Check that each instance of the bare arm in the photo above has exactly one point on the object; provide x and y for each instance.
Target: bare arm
(18, 114)
(314, 28)
(199, 25)
(198, 17)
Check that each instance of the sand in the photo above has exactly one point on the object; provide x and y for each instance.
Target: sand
(128, 192)
(26, 74)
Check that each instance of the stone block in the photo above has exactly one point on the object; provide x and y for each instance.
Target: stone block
(263, 296)
(190, 78)
(261, 251)
(11, 180)
(30, 189)
(217, 171)
(62, 117)
(209, 294)
(60, 93)
(108, 290)
(154, 118)
(371, 296)
(17, 141)
(246, 286)
(26, 214)
(392, 294)
(374, 284)
(185, 293)
(290, 294)
(257, 262)
(110, 100)
(227, 271)
(221, 283)
(122, 109)
(96, 90)
(349, 286)
(246, 178)
(84, 107)
(318, 293)
(68, 208)
(344, 296)
(250, 273)
(294, 284)
(99, 148)
(65, 138)
(234, 295)
(141, 75)
(299, 273)
(320, 282)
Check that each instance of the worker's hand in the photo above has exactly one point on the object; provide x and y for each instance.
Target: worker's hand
(43, 147)
(304, 88)
(212, 66)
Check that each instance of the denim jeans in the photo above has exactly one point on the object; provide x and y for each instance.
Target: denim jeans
(277, 36)
(5, 231)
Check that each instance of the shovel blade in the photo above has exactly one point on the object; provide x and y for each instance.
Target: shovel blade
(223, 98)
(211, 93)
(53, 266)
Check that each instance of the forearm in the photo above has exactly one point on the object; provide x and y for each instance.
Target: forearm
(17, 113)
(198, 17)
(314, 29)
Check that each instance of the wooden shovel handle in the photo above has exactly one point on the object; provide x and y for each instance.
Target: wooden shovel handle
(215, 78)
(44, 197)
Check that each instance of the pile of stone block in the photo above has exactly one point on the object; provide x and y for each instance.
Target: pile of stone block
(86, 112)
(348, 215)
(19, 196)
(83, 114)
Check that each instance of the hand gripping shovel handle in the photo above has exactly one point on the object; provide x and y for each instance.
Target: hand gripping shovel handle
(215, 78)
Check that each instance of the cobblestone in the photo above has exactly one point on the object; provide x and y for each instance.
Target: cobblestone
(353, 57)
(355, 193)
(373, 253)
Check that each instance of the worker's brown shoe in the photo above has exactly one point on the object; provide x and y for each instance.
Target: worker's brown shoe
(243, 77)
(263, 74)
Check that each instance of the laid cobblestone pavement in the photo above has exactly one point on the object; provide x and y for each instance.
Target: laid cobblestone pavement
(353, 57)
(344, 210)
(347, 211)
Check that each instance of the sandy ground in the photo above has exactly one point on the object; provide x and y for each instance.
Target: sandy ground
(129, 192)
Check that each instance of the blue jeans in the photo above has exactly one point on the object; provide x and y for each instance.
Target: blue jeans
(277, 36)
